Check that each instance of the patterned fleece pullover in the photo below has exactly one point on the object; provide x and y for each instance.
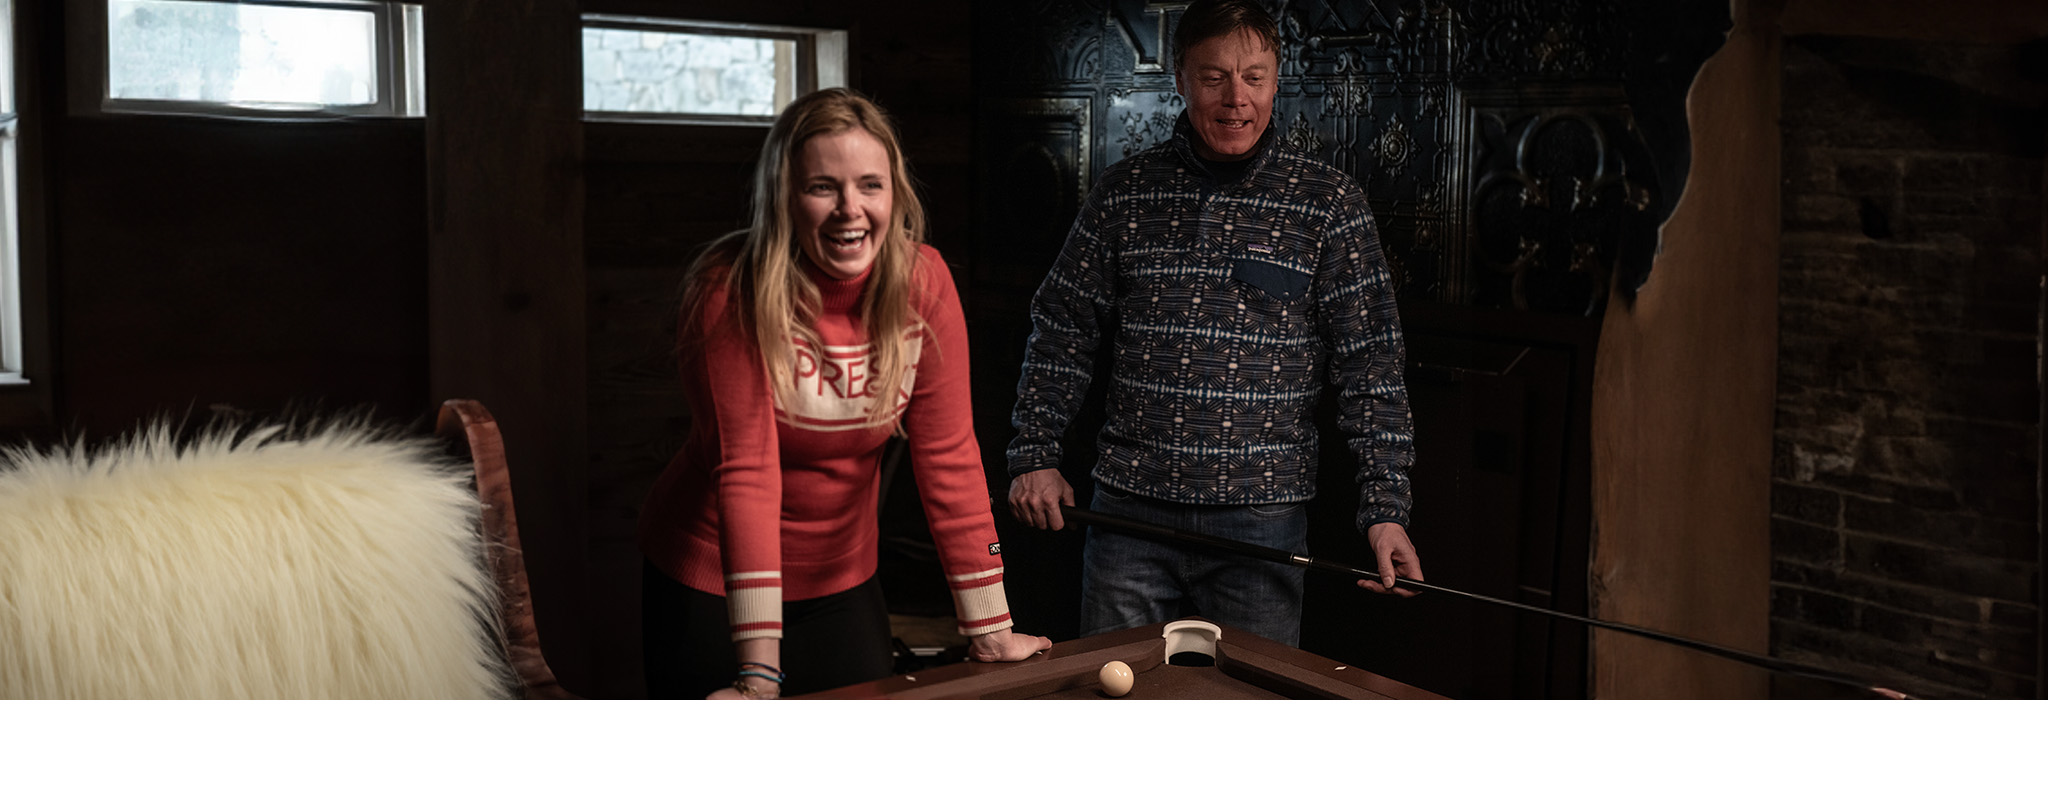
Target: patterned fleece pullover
(1223, 308)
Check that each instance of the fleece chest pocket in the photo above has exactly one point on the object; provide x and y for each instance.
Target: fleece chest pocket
(1279, 282)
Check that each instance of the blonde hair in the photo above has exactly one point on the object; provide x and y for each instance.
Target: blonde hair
(766, 285)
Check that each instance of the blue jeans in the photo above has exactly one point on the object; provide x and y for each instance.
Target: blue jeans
(1127, 581)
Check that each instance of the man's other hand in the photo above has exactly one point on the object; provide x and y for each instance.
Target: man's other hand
(1396, 556)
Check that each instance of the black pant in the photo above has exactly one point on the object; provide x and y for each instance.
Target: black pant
(827, 642)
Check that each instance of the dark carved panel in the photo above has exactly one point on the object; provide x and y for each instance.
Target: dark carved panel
(1559, 192)
(1140, 118)
(1541, 38)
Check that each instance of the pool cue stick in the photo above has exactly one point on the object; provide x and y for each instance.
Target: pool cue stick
(1261, 552)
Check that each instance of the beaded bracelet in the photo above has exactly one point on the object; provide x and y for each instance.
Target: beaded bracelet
(777, 677)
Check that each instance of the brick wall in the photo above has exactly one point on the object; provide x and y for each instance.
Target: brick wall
(1904, 508)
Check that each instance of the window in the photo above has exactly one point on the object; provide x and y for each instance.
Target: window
(285, 58)
(654, 70)
(11, 367)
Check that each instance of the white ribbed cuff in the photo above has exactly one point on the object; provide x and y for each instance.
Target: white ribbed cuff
(982, 609)
(755, 611)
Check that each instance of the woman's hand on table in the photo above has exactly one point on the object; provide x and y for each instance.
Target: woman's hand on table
(760, 657)
(763, 690)
(727, 693)
(1005, 645)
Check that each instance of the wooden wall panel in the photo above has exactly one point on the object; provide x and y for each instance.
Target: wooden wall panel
(255, 265)
(506, 281)
(1682, 404)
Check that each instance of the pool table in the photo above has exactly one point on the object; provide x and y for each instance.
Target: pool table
(1238, 666)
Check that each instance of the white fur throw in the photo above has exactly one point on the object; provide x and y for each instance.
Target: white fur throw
(334, 561)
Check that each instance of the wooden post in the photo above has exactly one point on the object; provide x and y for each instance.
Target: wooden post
(1682, 403)
(506, 270)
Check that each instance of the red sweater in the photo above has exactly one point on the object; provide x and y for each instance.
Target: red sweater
(765, 504)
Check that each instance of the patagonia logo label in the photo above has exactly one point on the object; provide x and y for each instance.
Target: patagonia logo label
(1259, 248)
(995, 548)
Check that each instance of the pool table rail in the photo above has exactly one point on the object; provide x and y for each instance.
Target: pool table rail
(1069, 666)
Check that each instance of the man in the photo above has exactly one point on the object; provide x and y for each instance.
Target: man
(1229, 279)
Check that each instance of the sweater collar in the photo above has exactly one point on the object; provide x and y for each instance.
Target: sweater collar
(837, 295)
(1184, 143)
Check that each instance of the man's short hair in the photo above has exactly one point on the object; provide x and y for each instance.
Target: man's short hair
(1208, 19)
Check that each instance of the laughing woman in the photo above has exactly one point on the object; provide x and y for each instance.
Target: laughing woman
(806, 342)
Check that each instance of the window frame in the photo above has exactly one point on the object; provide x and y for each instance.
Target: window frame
(14, 366)
(27, 397)
(13, 347)
(400, 67)
(821, 55)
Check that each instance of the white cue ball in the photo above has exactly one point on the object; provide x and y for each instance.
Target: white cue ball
(1116, 678)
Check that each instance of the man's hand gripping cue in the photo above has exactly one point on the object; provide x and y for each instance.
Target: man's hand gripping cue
(1036, 497)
